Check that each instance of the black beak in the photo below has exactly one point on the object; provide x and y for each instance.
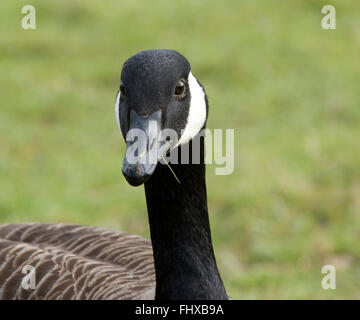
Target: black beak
(142, 148)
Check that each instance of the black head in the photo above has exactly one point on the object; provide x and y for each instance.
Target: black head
(157, 92)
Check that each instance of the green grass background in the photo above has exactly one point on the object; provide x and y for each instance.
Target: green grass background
(289, 88)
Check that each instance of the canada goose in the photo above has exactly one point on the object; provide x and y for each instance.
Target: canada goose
(76, 262)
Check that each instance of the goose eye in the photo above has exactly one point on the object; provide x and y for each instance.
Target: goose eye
(122, 89)
(180, 89)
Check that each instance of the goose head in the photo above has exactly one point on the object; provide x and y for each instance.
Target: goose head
(160, 106)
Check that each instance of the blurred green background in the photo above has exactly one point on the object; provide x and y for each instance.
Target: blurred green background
(289, 88)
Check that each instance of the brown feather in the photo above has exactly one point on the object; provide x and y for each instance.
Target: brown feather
(75, 262)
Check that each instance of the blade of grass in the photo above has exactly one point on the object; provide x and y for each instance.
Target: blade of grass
(162, 156)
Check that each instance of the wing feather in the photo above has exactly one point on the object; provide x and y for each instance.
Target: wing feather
(75, 262)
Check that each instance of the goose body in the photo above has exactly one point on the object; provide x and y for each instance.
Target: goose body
(157, 90)
(74, 262)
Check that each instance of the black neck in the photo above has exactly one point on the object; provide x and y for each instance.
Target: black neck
(180, 232)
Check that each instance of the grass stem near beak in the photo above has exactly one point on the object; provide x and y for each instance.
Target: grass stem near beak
(172, 171)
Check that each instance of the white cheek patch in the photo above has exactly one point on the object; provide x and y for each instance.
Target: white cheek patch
(197, 111)
(117, 114)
